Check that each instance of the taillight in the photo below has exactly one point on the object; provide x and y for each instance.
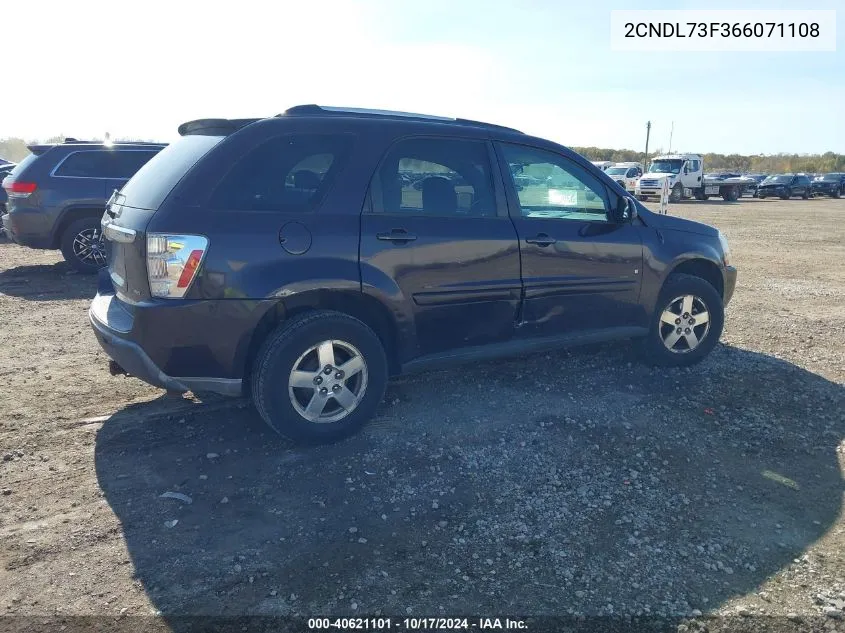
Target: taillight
(17, 189)
(173, 262)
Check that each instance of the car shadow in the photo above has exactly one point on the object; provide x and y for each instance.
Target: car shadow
(47, 282)
(545, 485)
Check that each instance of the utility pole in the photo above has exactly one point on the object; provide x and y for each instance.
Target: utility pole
(671, 132)
(647, 134)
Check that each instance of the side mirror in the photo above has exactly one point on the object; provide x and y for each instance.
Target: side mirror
(625, 210)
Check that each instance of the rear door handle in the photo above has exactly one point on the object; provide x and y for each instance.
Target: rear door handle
(541, 240)
(396, 235)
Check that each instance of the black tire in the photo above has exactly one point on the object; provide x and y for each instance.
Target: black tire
(805, 195)
(84, 228)
(730, 194)
(678, 285)
(761, 196)
(836, 194)
(677, 193)
(642, 198)
(275, 361)
(700, 195)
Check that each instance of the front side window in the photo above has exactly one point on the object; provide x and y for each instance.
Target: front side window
(437, 177)
(124, 164)
(287, 173)
(632, 173)
(551, 186)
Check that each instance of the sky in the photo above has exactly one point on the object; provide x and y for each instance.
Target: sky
(139, 68)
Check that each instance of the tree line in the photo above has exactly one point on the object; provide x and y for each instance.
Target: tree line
(766, 164)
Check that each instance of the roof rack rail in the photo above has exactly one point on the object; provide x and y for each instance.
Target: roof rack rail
(314, 109)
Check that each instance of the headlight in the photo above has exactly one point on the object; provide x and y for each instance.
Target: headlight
(726, 250)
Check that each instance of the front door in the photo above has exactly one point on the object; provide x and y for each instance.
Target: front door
(437, 242)
(580, 270)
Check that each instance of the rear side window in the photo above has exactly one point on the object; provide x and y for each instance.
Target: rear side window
(288, 173)
(148, 188)
(94, 164)
(437, 177)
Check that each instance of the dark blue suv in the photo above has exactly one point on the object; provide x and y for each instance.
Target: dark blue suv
(57, 195)
(305, 258)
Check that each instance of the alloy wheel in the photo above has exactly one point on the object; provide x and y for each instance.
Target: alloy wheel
(684, 324)
(328, 381)
(89, 248)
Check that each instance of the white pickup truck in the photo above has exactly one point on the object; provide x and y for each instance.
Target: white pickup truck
(685, 173)
(626, 174)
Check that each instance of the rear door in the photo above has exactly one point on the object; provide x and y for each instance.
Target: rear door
(580, 270)
(437, 236)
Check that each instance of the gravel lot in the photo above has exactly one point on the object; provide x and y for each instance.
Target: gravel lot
(579, 483)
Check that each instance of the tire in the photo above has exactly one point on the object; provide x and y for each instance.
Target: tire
(805, 195)
(761, 196)
(836, 194)
(292, 346)
(700, 195)
(80, 235)
(642, 198)
(679, 285)
(785, 197)
(730, 194)
(677, 193)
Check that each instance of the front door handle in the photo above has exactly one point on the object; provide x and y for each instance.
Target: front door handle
(396, 235)
(541, 240)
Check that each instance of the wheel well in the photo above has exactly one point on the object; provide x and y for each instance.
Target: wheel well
(71, 215)
(364, 308)
(706, 270)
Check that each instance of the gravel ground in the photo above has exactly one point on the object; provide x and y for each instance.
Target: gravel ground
(576, 483)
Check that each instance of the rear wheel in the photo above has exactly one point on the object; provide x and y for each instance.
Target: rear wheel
(319, 377)
(82, 245)
(805, 195)
(729, 194)
(836, 194)
(700, 195)
(687, 322)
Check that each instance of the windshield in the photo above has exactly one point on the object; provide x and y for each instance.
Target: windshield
(616, 171)
(830, 177)
(778, 179)
(666, 167)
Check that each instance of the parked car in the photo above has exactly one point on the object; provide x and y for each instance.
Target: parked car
(5, 169)
(832, 185)
(626, 174)
(58, 193)
(225, 276)
(784, 186)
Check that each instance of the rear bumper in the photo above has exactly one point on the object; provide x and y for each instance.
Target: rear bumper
(116, 330)
(730, 284)
(26, 229)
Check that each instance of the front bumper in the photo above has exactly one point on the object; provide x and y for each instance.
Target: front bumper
(113, 326)
(730, 284)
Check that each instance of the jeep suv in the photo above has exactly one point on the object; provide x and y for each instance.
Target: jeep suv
(58, 193)
(293, 258)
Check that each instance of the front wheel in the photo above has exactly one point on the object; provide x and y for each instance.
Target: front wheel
(82, 245)
(319, 377)
(805, 195)
(836, 194)
(677, 193)
(686, 324)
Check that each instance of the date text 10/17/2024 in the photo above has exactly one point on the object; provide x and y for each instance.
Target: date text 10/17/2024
(417, 624)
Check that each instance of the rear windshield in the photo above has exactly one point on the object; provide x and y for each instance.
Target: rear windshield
(148, 188)
(26, 162)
